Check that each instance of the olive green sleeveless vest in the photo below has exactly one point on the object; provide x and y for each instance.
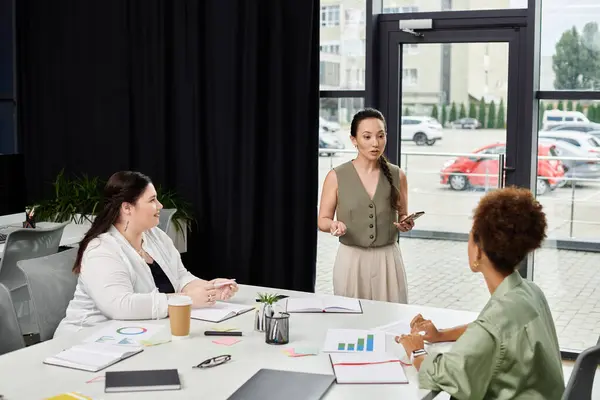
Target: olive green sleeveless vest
(369, 222)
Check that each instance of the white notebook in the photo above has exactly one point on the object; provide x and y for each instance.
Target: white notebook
(220, 311)
(92, 356)
(327, 304)
(367, 368)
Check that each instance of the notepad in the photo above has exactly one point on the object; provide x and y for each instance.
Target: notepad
(141, 381)
(367, 368)
(221, 311)
(92, 356)
(330, 304)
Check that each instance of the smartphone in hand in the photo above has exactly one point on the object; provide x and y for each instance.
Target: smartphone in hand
(412, 216)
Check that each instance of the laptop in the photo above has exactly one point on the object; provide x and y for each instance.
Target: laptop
(288, 385)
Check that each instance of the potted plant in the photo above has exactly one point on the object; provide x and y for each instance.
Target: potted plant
(78, 199)
(266, 301)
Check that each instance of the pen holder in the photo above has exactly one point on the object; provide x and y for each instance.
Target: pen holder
(277, 329)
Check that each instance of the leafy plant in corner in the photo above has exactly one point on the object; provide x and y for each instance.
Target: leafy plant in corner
(78, 199)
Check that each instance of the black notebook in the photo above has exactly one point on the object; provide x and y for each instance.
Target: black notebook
(140, 381)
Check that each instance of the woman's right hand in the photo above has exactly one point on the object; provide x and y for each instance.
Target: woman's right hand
(428, 329)
(204, 295)
(337, 228)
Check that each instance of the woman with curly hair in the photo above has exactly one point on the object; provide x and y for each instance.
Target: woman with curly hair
(511, 350)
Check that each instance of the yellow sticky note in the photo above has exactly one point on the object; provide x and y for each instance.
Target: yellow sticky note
(223, 329)
(69, 396)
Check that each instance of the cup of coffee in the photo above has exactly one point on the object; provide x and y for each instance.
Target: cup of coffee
(180, 316)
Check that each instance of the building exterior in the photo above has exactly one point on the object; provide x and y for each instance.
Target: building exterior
(432, 74)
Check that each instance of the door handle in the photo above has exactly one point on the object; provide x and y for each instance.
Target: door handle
(509, 169)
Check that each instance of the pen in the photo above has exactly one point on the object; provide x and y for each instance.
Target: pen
(218, 333)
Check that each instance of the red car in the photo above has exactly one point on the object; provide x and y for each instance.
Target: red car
(463, 172)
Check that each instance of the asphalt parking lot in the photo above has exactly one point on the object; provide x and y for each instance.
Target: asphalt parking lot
(572, 212)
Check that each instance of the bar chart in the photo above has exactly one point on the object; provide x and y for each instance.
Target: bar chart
(352, 340)
(359, 345)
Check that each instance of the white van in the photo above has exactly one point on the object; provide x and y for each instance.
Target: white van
(557, 117)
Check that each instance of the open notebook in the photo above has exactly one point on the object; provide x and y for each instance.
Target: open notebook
(220, 311)
(367, 368)
(329, 304)
(92, 356)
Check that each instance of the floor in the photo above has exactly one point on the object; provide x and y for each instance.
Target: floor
(438, 276)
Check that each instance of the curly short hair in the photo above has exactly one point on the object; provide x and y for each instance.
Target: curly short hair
(508, 224)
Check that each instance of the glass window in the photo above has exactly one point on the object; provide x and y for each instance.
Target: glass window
(330, 15)
(329, 74)
(570, 45)
(569, 190)
(342, 41)
(410, 6)
(335, 148)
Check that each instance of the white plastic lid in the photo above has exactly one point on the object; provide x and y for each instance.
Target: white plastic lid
(180, 300)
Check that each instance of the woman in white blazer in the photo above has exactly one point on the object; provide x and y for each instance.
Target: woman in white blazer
(127, 266)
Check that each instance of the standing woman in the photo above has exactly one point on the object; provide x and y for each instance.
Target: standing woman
(370, 197)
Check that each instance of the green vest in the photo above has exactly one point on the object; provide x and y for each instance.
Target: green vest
(369, 222)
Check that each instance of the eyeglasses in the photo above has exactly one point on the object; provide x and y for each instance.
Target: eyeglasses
(213, 362)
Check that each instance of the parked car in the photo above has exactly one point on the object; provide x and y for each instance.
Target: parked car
(465, 123)
(421, 130)
(328, 126)
(475, 171)
(580, 127)
(574, 169)
(585, 141)
(552, 118)
(330, 142)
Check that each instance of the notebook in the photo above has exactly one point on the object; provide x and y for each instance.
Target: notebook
(141, 381)
(92, 356)
(288, 385)
(221, 311)
(329, 304)
(367, 368)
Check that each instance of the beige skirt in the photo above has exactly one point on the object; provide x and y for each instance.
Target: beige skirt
(370, 273)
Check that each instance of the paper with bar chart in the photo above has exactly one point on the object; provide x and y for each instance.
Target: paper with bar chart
(354, 341)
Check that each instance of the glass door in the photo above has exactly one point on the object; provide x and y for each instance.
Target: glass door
(450, 98)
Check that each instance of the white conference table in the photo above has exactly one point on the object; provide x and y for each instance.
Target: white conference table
(24, 376)
(72, 234)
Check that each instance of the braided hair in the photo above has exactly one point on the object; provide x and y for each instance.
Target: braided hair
(384, 164)
(122, 187)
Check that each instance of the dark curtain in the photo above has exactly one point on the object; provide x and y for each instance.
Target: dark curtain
(216, 99)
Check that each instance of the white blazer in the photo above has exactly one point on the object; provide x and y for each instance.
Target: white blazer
(116, 283)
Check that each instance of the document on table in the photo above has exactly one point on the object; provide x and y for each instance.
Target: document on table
(367, 368)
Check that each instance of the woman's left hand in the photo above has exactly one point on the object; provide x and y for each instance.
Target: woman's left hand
(406, 225)
(226, 288)
(411, 343)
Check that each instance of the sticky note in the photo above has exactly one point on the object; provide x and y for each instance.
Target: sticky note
(223, 328)
(70, 396)
(300, 352)
(227, 341)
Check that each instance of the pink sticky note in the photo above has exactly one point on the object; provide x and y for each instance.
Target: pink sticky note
(227, 341)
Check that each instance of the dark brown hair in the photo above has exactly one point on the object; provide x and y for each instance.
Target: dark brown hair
(508, 224)
(369, 113)
(122, 187)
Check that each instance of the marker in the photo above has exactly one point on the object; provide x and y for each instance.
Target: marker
(217, 333)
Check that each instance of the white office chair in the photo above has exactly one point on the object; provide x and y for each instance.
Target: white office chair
(165, 218)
